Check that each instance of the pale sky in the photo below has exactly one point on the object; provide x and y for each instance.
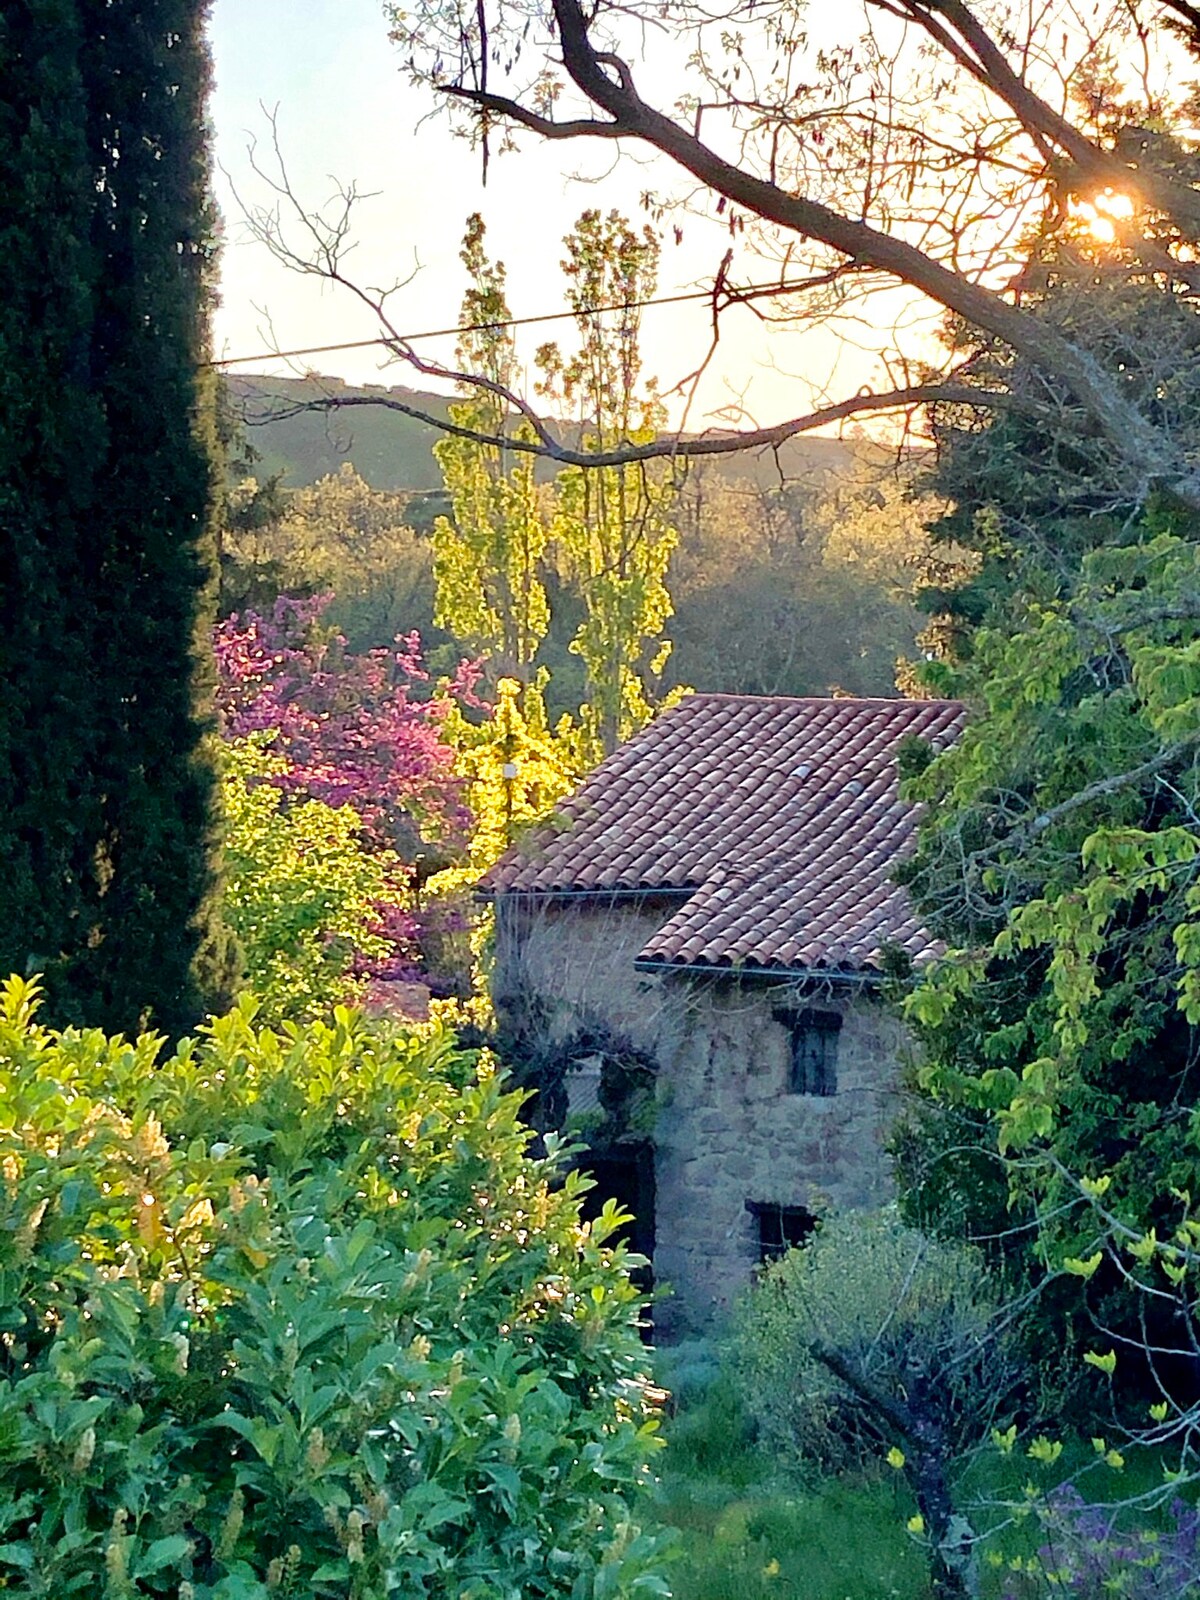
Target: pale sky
(345, 112)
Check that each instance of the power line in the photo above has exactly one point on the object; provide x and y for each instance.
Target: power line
(754, 290)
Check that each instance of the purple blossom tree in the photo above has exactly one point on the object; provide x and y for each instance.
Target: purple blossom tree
(362, 730)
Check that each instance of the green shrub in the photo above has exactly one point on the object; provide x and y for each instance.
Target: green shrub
(837, 1333)
(876, 1342)
(296, 1314)
(712, 1439)
(689, 1369)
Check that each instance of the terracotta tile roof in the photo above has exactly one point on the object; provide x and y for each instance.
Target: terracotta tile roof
(781, 816)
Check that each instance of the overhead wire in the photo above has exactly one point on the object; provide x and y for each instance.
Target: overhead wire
(755, 290)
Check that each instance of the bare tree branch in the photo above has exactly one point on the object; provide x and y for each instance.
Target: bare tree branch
(609, 85)
(874, 1396)
(500, 105)
(1107, 786)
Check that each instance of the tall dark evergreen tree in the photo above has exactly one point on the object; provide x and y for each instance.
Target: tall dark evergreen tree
(107, 825)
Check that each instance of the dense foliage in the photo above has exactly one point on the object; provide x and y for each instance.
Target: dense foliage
(319, 908)
(798, 588)
(338, 536)
(105, 546)
(297, 1314)
(1056, 855)
(1060, 856)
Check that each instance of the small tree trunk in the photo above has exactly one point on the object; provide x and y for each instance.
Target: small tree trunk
(926, 1473)
(918, 1425)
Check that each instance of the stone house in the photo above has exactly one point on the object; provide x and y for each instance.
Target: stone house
(706, 918)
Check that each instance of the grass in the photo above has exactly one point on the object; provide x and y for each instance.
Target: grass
(744, 1533)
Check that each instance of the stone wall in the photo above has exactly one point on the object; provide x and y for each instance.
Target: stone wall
(727, 1131)
(576, 957)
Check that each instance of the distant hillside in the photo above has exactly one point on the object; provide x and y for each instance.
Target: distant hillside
(392, 451)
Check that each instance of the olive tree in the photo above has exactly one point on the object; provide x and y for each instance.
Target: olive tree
(875, 1341)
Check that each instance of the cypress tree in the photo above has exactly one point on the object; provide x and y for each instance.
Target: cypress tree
(107, 825)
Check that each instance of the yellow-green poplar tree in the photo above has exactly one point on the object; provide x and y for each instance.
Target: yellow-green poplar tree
(517, 771)
(488, 561)
(488, 554)
(613, 525)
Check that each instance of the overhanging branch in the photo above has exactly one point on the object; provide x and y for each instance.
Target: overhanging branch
(897, 1416)
(1109, 785)
(1190, 15)
(500, 105)
(977, 51)
(666, 447)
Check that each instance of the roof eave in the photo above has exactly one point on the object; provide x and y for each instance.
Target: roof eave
(861, 977)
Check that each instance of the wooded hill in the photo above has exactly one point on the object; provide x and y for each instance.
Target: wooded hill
(392, 451)
(793, 573)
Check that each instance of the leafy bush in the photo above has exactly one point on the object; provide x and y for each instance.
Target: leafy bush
(690, 1369)
(297, 1315)
(318, 910)
(837, 1333)
(874, 1342)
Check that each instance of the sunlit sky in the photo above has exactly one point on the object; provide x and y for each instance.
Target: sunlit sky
(346, 113)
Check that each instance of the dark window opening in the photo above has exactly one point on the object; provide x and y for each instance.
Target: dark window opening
(780, 1228)
(814, 1041)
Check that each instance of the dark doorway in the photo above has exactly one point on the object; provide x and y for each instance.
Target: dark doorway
(629, 1180)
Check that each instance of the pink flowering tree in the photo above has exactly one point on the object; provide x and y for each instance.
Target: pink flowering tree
(364, 734)
(359, 730)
